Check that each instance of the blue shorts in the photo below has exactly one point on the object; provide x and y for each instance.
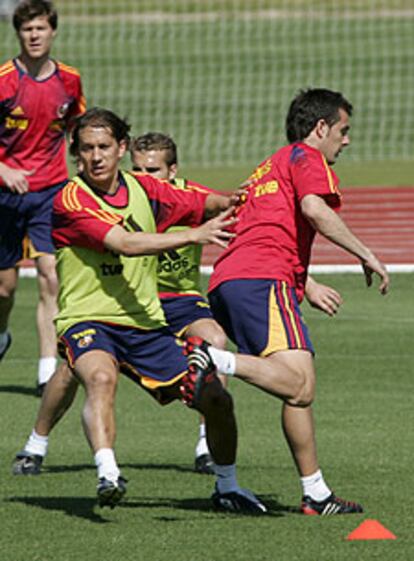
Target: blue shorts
(181, 311)
(260, 316)
(25, 215)
(153, 359)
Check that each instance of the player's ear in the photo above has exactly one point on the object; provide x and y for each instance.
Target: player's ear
(321, 128)
(123, 145)
(172, 171)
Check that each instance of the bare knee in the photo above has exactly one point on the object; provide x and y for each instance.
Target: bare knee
(100, 383)
(304, 393)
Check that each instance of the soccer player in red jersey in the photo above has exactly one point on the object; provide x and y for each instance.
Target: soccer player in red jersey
(38, 99)
(186, 310)
(260, 279)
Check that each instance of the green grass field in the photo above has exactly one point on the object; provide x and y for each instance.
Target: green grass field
(364, 419)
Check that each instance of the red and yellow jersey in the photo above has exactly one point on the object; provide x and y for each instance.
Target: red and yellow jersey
(273, 239)
(34, 117)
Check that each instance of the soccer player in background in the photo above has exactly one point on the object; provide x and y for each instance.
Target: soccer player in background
(179, 289)
(39, 97)
(260, 279)
(106, 226)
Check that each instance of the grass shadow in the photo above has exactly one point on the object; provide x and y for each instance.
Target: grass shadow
(24, 390)
(80, 507)
(275, 508)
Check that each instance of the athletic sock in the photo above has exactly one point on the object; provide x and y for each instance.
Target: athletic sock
(46, 369)
(106, 464)
(226, 478)
(37, 444)
(225, 361)
(202, 448)
(315, 487)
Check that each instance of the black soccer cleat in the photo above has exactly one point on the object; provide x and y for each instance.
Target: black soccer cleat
(201, 371)
(331, 505)
(27, 464)
(204, 464)
(110, 492)
(238, 502)
(6, 348)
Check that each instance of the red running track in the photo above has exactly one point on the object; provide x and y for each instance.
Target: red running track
(382, 217)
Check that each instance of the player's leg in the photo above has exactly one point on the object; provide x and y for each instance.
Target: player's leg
(41, 249)
(285, 370)
(211, 331)
(46, 311)
(8, 285)
(98, 372)
(202, 390)
(56, 400)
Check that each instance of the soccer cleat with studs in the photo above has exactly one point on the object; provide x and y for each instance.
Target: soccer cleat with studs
(110, 492)
(238, 502)
(331, 505)
(201, 371)
(27, 464)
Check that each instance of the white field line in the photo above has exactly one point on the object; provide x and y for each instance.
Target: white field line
(336, 269)
(30, 272)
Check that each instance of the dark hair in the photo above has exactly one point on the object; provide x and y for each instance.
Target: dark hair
(311, 105)
(156, 141)
(31, 9)
(99, 118)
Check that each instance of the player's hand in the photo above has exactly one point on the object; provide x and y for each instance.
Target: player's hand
(214, 230)
(373, 265)
(322, 297)
(16, 179)
(239, 196)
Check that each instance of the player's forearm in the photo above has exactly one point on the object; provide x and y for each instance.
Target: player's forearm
(332, 227)
(142, 243)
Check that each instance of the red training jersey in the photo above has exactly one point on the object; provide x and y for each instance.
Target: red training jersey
(78, 220)
(34, 116)
(273, 239)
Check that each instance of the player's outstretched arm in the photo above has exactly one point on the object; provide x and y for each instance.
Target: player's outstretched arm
(332, 227)
(15, 179)
(142, 243)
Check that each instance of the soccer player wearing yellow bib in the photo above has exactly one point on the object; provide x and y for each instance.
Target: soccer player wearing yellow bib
(179, 288)
(107, 228)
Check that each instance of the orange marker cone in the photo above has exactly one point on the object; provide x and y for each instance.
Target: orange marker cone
(371, 530)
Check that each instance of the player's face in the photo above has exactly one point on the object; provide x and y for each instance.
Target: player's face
(99, 156)
(36, 37)
(335, 138)
(153, 162)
